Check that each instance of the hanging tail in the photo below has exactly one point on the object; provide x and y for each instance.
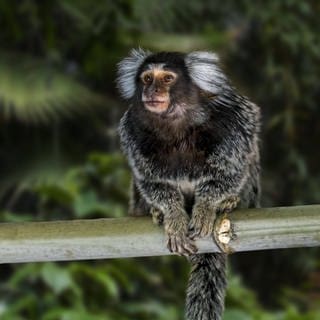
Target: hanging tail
(206, 288)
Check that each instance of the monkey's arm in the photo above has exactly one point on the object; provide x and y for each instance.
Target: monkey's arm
(218, 191)
(159, 195)
(169, 200)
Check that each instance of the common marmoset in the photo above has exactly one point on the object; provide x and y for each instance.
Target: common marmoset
(192, 144)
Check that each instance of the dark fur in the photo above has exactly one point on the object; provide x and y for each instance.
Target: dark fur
(213, 145)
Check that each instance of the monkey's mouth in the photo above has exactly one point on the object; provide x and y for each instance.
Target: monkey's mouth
(155, 103)
(156, 106)
(163, 109)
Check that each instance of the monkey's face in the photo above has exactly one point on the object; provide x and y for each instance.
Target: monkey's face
(157, 84)
(170, 84)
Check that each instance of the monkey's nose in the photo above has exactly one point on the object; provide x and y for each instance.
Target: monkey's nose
(157, 89)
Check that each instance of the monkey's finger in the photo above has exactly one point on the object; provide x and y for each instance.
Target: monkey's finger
(181, 250)
(193, 224)
(172, 244)
(180, 246)
(196, 223)
(205, 231)
(194, 234)
(181, 243)
(190, 247)
(228, 205)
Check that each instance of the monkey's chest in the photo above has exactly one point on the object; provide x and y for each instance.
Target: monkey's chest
(181, 165)
(182, 170)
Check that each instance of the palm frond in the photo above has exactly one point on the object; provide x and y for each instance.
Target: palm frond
(34, 91)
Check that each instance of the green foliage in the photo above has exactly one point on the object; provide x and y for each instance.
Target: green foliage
(282, 35)
(58, 58)
(32, 91)
(243, 305)
(98, 188)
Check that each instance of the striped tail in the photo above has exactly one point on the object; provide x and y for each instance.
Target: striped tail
(206, 288)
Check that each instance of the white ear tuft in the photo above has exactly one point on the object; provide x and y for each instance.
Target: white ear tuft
(205, 72)
(127, 71)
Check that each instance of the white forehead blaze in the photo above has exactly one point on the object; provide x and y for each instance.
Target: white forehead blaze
(156, 66)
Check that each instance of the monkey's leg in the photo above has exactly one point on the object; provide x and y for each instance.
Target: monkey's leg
(178, 243)
(204, 215)
(168, 200)
(139, 207)
(176, 229)
(228, 204)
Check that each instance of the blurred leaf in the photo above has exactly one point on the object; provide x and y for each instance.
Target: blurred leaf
(56, 278)
(97, 276)
(28, 272)
(108, 282)
(155, 309)
(174, 42)
(54, 192)
(106, 163)
(15, 217)
(239, 295)
(26, 303)
(85, 203)
(232, 314)
(33, 91)
(67, 314)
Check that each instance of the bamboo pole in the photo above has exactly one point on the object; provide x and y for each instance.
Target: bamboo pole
(241, 230)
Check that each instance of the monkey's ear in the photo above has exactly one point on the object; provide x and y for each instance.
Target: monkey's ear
(205, 72)
(127, 72)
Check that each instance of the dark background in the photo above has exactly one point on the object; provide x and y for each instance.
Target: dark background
(60, 159)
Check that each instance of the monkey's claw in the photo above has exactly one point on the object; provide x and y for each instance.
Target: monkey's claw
(227, 205)
(201, 224)
(181, 245)
(178, 241)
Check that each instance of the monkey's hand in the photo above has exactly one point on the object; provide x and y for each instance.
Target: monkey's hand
(176, 229)
(204, 214)
(175, 219)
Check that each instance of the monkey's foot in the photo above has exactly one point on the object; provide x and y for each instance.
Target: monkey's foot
(228, 204)
(181, 244)
(204, 215)
(157, 216)
(178, 241)
(202, 221)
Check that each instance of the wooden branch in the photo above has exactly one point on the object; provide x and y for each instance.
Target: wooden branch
(241, 230)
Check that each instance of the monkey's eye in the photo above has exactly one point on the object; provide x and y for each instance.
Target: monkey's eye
(168, 78)
(147, 79)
